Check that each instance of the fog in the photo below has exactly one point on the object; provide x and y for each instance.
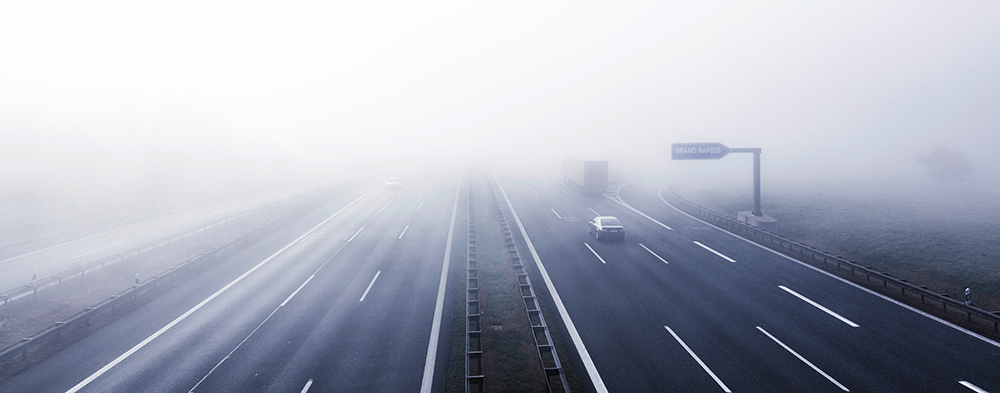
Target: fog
(116, 100)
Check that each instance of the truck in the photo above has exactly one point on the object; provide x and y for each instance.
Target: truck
(586, 176)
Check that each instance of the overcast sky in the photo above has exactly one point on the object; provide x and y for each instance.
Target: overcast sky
(850, 87)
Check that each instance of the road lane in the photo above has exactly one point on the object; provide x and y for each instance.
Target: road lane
(303, 334)
(717, 307)
(19, 270)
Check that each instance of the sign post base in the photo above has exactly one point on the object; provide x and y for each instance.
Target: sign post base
(764, 222)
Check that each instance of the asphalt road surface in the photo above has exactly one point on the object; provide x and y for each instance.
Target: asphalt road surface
(340, 300)
(346, 299)
(55, 259)
(681, 306)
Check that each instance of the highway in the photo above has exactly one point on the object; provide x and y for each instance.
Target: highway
(55, 259)
(682, 306)
(341, 300)
(347, 298)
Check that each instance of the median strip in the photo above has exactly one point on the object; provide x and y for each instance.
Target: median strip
(588, 362)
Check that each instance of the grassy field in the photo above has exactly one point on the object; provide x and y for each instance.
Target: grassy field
(946, 249)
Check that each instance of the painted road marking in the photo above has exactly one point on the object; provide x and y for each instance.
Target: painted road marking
(557, 214)
(536, 194)
(972, 387)
(715, 252)
(654, 254)
(306, 388)
(420, 205)
(432, 345)
(595, 253)
(370, 286)
(567, 193)
(99, 249)
(592, 211)
(289, 298)
(838, 278)
(817, 305)
(212, 214)
(703, 366)
(404, 231)
(620, 202)
(581, 349)
(197, 307)
(842, 387)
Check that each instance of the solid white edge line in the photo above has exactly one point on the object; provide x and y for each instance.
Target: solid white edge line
(972, 387)
(208, 215)
(819, 306)
(355, 234)
(184, 316)
(306, 388)
(297, 290)
(289, 298)
(654, 254)
(404, 231)
(595, 253)
(696, 358)
(370, 286)
(843, 280)
(99, 249)
(715, 252)
(842, 387)
(557, 214)
(627, 206)
(574, 335)
(432, 346)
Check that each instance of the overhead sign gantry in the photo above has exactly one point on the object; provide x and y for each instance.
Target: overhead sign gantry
(715, 151)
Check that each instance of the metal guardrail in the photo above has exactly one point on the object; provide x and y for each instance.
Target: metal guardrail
(474, 378)
(28, 351)
(39, 242)
(555, 377)
(82, 270)
(811, 255)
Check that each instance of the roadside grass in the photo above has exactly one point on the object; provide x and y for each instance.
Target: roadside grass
(455, 374)
(946, 253)
(510, 359)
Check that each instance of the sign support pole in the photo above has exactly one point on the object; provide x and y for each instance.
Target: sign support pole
(756, 177)
(715, 151)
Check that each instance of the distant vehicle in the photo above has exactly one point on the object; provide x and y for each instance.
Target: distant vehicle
(393, 184)
(607, 228)
(586, 176)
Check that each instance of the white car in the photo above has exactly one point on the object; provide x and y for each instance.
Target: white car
(393, 184)
(607, 228)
